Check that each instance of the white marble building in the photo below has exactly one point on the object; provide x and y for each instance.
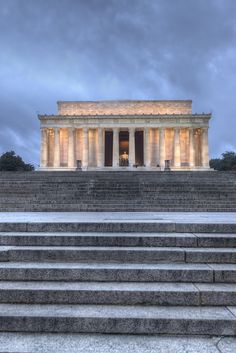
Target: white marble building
(107, 135)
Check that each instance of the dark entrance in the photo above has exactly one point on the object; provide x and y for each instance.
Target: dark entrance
(108, 148)
(139, 148)
(124, 148)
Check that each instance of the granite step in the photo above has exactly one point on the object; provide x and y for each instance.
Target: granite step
(118, 239)
(115, 208)
(125, 226)
(187, 320)
(116, 272)
(118, 190)
(118, 254)
(118, 293)
(96, 253)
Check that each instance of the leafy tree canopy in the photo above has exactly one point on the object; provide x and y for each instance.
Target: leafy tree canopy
(9, 161)
(227, 162)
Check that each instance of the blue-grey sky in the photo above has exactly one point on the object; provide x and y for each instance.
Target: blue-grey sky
(115, 49)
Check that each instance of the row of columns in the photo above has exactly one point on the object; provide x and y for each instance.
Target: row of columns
(100, 152)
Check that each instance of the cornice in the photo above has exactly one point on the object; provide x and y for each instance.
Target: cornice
(111, 116)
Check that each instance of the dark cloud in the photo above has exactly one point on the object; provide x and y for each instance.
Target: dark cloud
(107, 49)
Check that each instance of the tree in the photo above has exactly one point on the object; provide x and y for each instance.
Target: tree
(227, 162)
(9, 161)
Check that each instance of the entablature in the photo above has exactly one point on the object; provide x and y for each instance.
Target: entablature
(136, 121)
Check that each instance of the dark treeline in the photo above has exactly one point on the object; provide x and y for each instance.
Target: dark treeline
(226, 162)
(9, 161)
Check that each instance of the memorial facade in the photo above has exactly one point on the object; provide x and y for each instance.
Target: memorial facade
(108, 135)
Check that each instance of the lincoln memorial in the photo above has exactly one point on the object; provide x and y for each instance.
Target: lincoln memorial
(125, 135)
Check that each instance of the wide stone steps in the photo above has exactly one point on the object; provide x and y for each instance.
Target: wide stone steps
(117, 272)
(131, 273)
(115, 293)
(119, 239)
(120, 198)
(132, 319)
(155, 225)
(113, 209)
(118, 191)
(112, 254)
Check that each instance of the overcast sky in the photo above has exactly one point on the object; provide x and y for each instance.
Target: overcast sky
(54, 50)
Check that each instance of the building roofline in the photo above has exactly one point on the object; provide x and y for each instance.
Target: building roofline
(127, 101)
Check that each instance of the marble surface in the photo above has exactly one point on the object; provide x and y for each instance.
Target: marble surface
(94, 343)
(107, 217)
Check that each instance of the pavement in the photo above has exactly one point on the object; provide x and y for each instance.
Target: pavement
(166, 217)
(97, 343)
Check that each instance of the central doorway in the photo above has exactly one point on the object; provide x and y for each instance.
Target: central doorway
(123, 148)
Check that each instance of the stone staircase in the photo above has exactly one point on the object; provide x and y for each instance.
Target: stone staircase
(133, 277)
(118, 191)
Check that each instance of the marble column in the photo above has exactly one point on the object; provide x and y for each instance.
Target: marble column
(147, 154)
(115, 149)
(100, 155)
(44, 148)
(131, 146)
(162, 147)
(85, 148)
(205, 150)
(177, 161)
(57, 161)
(191, 148)
(71, 148)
